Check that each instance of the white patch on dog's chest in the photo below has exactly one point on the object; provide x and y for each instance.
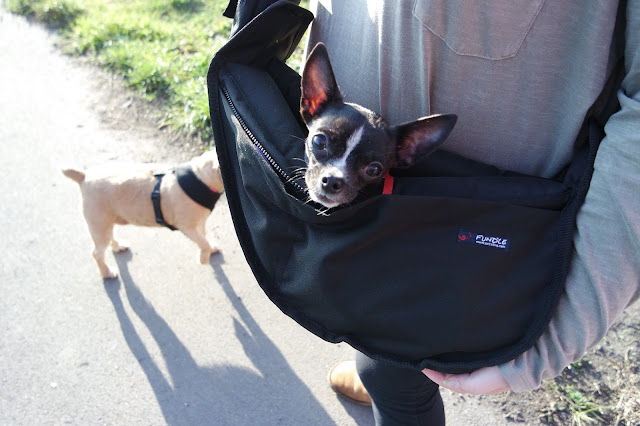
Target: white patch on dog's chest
(352, 142)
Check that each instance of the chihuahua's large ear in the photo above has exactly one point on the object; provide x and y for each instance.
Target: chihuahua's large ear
(421, 137)
(319, 86)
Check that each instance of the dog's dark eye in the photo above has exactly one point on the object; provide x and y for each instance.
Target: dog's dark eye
(373, 170)
(319, 142)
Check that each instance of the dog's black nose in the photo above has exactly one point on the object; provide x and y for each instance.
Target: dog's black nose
(332, 184)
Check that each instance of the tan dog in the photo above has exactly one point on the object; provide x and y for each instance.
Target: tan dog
(122, 195)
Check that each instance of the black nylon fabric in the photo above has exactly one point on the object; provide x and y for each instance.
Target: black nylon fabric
(197, 190)
(460, 268)
(243, 11)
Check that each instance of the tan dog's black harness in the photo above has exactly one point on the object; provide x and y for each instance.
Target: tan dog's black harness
(197, 190)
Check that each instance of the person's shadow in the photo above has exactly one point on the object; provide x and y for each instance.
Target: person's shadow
(216, 395)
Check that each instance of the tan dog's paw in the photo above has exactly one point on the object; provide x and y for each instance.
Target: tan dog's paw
(107, 273)
(117, 247)
(206, 254)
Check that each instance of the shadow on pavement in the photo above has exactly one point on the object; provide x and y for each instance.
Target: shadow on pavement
(270, 361)
(216, 395)
(279, 380)
(360, 414)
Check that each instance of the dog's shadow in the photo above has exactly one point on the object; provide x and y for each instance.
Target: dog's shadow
(224, 394)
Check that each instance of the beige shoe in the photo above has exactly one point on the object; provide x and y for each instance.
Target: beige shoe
(344, 380)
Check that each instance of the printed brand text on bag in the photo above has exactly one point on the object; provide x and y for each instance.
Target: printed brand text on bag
(484, 240)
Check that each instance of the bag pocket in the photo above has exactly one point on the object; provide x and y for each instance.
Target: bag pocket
(527, 191)
(425, 277)
(488, 29)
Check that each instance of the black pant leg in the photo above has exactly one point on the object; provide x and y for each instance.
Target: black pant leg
(401, 396)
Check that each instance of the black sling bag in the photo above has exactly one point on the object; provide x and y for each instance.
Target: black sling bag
(461, 267)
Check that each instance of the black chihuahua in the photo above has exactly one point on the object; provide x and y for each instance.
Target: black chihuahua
(350, 147)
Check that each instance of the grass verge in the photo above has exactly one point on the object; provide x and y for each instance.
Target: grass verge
(161, 47)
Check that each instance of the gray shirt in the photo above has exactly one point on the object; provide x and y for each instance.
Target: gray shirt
(520, 75)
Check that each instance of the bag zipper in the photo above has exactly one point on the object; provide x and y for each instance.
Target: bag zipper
(284, 176)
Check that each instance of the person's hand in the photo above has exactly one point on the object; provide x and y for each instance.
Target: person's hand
(485, 381)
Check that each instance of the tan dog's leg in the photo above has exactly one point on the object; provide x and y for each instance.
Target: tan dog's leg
(213, 248)
(198, 236)
(102, 235)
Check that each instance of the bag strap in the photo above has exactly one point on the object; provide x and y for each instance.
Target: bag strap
(606, 104)
(243, 11)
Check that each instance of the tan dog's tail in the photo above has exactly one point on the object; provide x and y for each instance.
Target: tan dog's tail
(74, 174)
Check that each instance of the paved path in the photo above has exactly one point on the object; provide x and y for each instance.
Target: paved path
(170, 341)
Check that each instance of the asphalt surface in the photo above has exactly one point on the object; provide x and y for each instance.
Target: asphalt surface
(168, 342)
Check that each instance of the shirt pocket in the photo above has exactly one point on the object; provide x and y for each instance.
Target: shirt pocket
(491, 29)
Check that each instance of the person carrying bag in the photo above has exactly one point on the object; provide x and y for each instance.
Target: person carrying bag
(464, 265)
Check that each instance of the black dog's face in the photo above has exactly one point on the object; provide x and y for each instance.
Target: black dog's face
(350, 147)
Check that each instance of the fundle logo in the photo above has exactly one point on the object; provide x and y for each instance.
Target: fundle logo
(465, 236)
(468, 237)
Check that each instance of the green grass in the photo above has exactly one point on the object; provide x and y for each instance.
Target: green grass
(583, 409)
(54, 13)
(161, 47)
(577, 398)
